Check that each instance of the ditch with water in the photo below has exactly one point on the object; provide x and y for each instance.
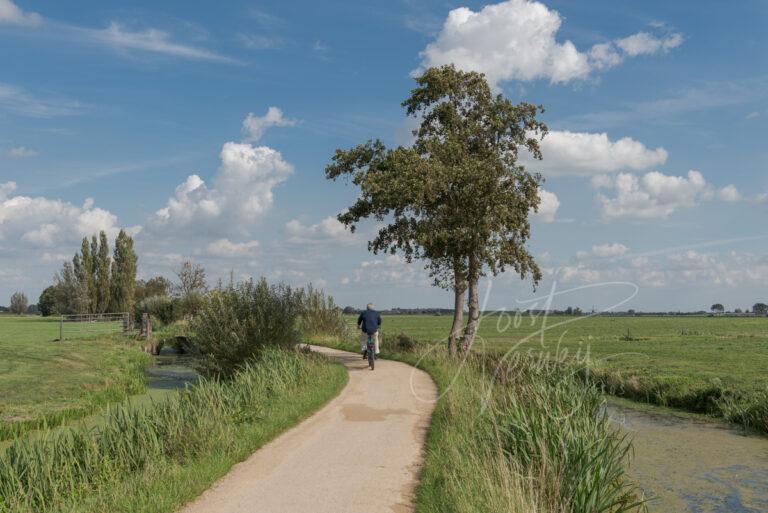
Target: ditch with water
(687, 463)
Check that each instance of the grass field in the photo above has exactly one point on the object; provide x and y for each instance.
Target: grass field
(155, 459)
(713, 365)
(47, 382)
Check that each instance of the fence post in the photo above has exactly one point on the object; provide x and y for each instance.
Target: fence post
(146, 326)
(61, 328)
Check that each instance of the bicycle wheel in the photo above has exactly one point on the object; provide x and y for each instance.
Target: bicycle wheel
(371, 357)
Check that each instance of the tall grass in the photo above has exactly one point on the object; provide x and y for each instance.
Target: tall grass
(517, 436)
(321, 315)
(63, 468)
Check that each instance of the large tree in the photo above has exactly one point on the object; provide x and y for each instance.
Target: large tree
(191, 280)
(123, 279)
(70, 294)
(157, 286)
(48, 302)
(458, 197)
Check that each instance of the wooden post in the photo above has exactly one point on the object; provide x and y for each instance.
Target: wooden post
(146, 326)
(61, 328)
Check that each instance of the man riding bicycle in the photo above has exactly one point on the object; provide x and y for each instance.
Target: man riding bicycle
(369, 321)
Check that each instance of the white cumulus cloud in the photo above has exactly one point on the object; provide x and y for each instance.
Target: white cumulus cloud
(239, 193)
(516, 40)
(13, 14)
(327, 230)
(40, 222)
(225, 248)
(652, 195)
(255, 126)
(606, 250)
(644, 43)
(584, 154)
(729, 193)
(548, 207)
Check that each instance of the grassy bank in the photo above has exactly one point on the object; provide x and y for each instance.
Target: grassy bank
(46, 383)
(528, 439)
(155, 459)
(713, 365)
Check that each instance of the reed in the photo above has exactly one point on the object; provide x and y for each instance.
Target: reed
(65, 467)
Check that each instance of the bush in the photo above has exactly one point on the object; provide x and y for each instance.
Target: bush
(238, 323)
(161, 308)
(320, 315)
(402, 342)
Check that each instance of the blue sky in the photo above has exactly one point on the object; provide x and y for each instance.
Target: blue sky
(204, 128)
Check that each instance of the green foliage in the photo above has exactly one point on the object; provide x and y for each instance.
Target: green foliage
(62, 468)
(237, 323)
(157, 286)
(47, 302)
(320, 315)
(71, 295)
(19, 303)
(123, 278)
(760, 309)
(458, 197)
(161, 308)
(402, 342)
(85, 272)
(103, 268)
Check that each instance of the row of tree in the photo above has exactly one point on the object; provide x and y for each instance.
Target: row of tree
(94, 282)
(757, 309)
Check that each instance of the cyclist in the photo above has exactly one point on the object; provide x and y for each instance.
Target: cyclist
(369, 321)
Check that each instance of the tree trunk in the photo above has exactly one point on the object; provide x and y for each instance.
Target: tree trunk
(474, 316)
(459, 288)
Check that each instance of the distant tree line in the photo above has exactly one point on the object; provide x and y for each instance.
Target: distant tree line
(757, 309)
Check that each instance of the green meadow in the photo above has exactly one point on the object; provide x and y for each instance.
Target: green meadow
(713, 365)
(46, 382)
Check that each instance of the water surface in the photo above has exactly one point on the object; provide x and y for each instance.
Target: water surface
(688, 464)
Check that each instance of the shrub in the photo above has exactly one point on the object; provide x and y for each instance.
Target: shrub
(161, 308)
(237, 323)
(320, 315)
(401, 342)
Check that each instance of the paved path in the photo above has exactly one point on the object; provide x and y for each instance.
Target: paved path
(361, 453)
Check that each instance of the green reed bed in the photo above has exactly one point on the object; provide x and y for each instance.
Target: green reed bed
(515, 435)
(199, 432)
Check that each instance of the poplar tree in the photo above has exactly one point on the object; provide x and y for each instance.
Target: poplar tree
(93, 291)
(84, 272)
(123, 274)
(104, 264)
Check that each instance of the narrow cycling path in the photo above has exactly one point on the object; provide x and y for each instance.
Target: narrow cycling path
(360, 453)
